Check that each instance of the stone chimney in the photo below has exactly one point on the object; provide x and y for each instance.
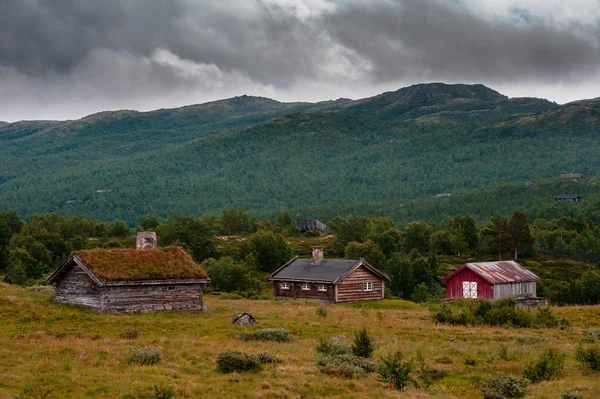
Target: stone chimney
(146, 239)
(317, 255)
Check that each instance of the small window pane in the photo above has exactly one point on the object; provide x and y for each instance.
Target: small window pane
(322, 287)
(306, 286)
(285, 286)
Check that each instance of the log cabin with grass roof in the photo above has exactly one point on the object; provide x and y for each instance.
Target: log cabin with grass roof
(123, 280)
(328, 280)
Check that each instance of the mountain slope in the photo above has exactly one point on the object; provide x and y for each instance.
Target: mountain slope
(259, 154)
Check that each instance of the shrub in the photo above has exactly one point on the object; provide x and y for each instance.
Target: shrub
(571, 395)
(162, 392)
(267, 334)
(503, 353)
(332, 348)
(443, 315)
(544, 317)
(590, 335)
(363, 344)
(230, 361)
(548, 366)
(130, 333)
(589, 358)
(344, 365)
(321, 311)
(143, 356)
(394, 371)
(530, 339)
(426, 375)
(471, 361)
(504, 387)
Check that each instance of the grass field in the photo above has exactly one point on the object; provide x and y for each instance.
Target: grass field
(77, 353)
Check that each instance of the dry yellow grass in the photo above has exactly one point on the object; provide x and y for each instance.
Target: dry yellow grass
(79, 353)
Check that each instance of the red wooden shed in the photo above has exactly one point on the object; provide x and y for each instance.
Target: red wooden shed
(491, 280)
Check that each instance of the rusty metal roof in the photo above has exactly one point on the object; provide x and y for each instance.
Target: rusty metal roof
(501, 272)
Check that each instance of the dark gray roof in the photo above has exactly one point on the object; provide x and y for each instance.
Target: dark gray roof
(305, 269)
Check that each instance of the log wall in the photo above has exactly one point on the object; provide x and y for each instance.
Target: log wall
(296, 292)
(351, 288)
(147, 298)
(78, 288)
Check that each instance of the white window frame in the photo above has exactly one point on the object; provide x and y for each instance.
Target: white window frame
(305, 286)
(322, 287)
(470, 289)
(285, 286)
(368, 286)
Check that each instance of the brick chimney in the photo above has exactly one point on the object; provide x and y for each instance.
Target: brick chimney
(146, 239)
(317, 255)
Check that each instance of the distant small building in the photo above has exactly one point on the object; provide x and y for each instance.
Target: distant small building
(574, 198)
(491, 280)
(123, 280)
(571, 176)
(310, 224)
(328, 280)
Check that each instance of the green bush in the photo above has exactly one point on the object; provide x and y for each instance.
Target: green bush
(267, 334)
(530, 339)
(548, 366)
(162, 392)
(503, 353)
(545, 318)
(504, 387)
(571, 395)
(143, 356)
(130, 333)
(394, 371)
(471, 361)
(590, 335)
(590, 357)
(321, 311)
(363, 344)
(344, 365)
(327, 347)
(230, 361)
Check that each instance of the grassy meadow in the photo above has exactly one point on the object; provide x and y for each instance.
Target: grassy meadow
(77, 353)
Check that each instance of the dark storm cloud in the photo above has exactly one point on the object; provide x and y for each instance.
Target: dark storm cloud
(264, 41)
(72, 57)
(434, 39)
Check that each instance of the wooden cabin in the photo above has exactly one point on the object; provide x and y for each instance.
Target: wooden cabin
(571, 176)
(123, 280)
(491, 280)
(310, 225)
(328, 280)
(574, 198)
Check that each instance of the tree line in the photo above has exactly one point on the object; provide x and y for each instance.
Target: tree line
(31, 249)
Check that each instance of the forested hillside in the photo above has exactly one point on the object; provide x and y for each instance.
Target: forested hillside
(397, 154)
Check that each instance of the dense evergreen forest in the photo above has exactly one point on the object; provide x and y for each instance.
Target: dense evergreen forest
(426, 152)
(238, 250)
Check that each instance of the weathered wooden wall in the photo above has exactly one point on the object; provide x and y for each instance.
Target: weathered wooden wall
(351, 288)
(514, 290)
(454, 287)
(296, 292)
(78, 288)
(147, 298)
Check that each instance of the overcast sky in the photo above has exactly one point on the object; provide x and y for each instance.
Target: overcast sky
(63, 59)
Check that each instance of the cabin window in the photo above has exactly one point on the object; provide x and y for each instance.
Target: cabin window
(171, 288)
(470, 289)
(368, 286)
(306, 286)
(322, 287)
(285, 286)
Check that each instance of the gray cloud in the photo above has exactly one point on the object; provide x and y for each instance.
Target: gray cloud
(71, 57)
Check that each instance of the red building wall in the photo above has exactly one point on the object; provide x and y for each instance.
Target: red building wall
(454, 286)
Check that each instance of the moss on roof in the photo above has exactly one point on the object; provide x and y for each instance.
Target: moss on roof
(142, 264)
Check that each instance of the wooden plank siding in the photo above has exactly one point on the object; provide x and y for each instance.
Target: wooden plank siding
(78, 288)
(454, 286)
(516, 289)
(146, 298)
(351, 288)
(296, 292)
